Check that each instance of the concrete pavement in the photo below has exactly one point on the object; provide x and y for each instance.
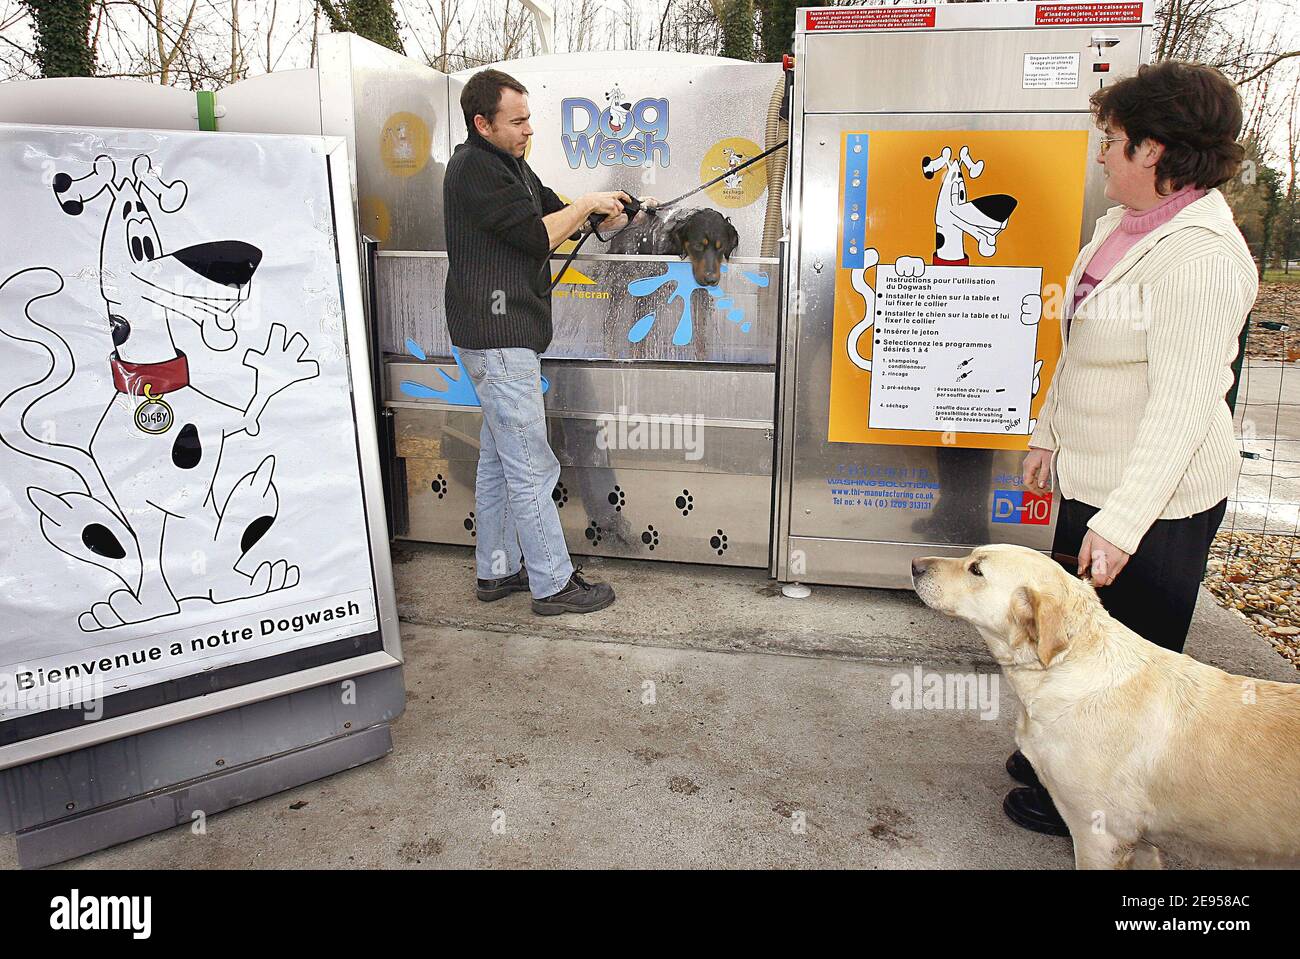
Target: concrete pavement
(703, 720)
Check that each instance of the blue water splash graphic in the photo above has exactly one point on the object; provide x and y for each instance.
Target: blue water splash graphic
(455, 392)
(681, 275)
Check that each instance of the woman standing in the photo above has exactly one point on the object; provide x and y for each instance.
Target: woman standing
(1135, 426)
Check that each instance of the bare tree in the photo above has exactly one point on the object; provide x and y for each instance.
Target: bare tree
(168, 38)
(17, 56)
(446, 25)
(1292, 161)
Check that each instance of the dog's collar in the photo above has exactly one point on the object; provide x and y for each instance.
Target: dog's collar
(159, 378)
(940, 261)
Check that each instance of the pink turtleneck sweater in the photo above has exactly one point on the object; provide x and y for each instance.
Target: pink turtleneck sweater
(1135, 225)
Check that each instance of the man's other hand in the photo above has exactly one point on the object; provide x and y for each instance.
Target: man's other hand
(609, 203)
(647, 203)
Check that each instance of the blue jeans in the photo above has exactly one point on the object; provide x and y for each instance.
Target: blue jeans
(516, 473)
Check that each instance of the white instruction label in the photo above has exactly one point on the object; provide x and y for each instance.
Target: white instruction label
(1051, 71)
(954, 349)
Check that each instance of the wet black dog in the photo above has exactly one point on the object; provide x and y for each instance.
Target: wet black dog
(706, 236)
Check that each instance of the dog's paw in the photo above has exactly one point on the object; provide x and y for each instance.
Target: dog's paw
(1031, 309)
(100, 616)
(271, 577)
(909, 266)
(125, 607)
(281, 363)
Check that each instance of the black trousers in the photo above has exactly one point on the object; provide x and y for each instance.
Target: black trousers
(1155, 593)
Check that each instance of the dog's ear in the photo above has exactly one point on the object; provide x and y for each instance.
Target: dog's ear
(677, 237)
(731, 239)
(1040, 614)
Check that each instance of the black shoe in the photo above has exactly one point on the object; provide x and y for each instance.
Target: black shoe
(490, 590)
(1033, 809)
(578, 596)
(1019, 769)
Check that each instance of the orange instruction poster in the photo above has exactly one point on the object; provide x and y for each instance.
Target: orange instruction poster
(953, 252)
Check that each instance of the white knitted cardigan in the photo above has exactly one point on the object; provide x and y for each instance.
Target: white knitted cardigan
(1136, 412)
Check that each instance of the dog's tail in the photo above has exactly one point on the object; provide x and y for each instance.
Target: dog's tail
(18, 295)
(858, 277)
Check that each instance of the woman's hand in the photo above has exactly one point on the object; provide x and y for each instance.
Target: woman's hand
(1100, 559)
(1036, 471)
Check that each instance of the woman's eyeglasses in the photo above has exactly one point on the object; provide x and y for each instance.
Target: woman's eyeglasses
(1107, 141)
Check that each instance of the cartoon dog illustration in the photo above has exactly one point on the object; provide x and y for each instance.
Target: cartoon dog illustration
(956, 216)
(150, 513)
(398, 140)
(734, 159)
(619, 107)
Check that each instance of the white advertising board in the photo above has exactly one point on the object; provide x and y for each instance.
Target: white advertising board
(181, 462)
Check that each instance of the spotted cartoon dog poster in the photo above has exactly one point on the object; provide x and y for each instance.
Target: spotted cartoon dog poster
(953, 252)
(179, 471)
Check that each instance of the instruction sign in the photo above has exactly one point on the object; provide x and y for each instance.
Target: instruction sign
(954, 248)
(1051, 71)
(953, 350)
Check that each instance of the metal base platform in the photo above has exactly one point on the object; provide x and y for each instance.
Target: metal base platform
(87, 800)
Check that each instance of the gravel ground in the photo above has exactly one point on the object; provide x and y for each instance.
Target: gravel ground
(1258, 578)
(1277, 303)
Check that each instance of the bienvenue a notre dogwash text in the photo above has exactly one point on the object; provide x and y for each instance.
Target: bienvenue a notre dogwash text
(229, 636)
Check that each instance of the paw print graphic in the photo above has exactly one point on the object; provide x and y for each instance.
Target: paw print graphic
(617, 499)
(439, 486)
(560, 495)
(718, 542)
(650, 537)
(685, 502)
(470, 525)
(593, 533)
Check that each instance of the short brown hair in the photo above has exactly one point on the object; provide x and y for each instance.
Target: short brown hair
(482, 94)
(1192, 109)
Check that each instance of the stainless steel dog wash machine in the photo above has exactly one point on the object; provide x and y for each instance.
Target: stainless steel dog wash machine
(760, 423)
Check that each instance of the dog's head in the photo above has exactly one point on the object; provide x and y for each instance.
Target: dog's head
(138, 276)
(1027, 607)
(982, 217)
(708, 238)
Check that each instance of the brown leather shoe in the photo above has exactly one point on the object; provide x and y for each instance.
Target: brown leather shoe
(490, 590)
(578, 596)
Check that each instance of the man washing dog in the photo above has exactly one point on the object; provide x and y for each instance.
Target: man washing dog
(502, 224)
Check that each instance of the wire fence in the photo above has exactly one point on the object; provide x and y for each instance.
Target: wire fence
(1255, 561)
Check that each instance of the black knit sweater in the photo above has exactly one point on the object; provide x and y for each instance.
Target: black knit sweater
(496, 293)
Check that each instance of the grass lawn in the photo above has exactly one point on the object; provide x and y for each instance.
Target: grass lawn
(1277, 276)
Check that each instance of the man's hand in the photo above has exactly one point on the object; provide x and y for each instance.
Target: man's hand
(563, 224)
(1100, 559)
(1036, 471)
(609, 203)
(647, 203)
(614, 223)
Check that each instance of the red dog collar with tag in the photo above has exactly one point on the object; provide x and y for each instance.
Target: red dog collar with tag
(940, 261)
(166, 377)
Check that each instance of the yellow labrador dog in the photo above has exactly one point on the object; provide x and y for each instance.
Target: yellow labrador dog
(1136, 744)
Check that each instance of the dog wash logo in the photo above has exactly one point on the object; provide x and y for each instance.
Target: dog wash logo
(75, 912)
(619, 133)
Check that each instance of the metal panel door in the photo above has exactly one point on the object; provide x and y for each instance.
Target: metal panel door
(873, 547)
